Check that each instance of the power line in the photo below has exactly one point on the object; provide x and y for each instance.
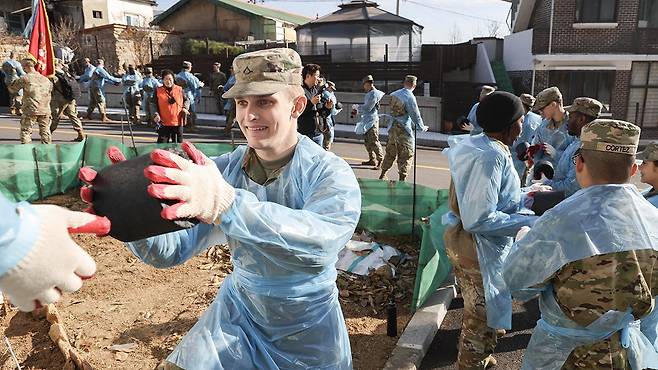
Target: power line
(451, 11)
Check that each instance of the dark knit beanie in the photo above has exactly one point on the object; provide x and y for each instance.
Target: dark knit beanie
(498, 110)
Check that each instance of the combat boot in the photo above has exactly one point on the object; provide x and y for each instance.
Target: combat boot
(80, 137)
(490, 362)
(383, 176)
(368, 163)
(403, 177)
(378, 166)
(104, 117)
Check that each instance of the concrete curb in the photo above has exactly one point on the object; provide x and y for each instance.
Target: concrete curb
(416, 339)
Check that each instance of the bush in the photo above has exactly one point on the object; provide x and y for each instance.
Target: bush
(195, 47)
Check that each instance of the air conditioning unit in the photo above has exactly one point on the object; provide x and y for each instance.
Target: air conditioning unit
(642, 24)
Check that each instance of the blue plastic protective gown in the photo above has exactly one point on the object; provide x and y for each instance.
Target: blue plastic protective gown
(148, 83)
(531, 123)
(369, 111)
(652, 199)
(131, 84)
(489, 198)
(331, 119)
(192, 88)
(229, 103)
(594, 221)
(558, 138)
(650, 322)
(18, 232)
(564, 178)
(411, 119)
(98, 78)
(17, 66)
(85, 78)
(279, 308)
(473, 119)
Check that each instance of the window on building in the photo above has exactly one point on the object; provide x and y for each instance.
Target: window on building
(648, 15)
(596, 11)
(133, 20)
(595, 84)
(97, 14)
(643, 95)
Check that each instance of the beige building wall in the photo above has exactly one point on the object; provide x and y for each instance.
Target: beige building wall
(200, 19)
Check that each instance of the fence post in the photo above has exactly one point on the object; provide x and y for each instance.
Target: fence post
(386, 67)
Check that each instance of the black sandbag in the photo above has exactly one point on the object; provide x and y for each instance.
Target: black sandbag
(120, 195)
(545, 200)
(545, 168)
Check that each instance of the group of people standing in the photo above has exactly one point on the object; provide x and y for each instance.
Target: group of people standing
(589, 259)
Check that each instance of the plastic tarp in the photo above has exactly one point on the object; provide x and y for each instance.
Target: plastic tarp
(34, 171)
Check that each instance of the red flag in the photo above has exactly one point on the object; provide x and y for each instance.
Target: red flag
(41, 42)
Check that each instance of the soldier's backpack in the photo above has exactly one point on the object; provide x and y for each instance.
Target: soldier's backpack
(70, 88)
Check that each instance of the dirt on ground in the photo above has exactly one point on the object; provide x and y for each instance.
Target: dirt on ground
(150, 310)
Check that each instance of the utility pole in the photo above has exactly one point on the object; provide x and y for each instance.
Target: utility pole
(397, 7)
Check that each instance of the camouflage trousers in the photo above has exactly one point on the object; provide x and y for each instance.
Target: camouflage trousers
(96, 100)
(66, 108)
(148, 112)
(399, 145)
(15, 103)
(230, 120)
(607, 355)
(477, 341)
(27, 121)
(373, 146)
(132, 104)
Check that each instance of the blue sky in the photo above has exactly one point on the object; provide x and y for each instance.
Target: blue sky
(445, 21)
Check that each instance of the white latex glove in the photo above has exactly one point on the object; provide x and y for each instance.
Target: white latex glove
(538, 185)
(55, 264)
(425, 128)
(522, 233)
(201, 84)
(198, 185)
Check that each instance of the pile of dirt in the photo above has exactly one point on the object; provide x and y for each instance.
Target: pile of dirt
(131, 316)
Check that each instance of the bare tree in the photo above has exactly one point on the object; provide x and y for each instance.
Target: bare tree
(493, 29)
(66, 33)
(455, 34)
(139, 37)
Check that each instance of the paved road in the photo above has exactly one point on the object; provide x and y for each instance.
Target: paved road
(442, 354)
(432, 166)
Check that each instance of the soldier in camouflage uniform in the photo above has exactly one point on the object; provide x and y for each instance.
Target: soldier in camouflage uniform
(405, 119)
(649, 171)
(36, 102)
(484, 203)
(592, 259)
(62, 105)
(217, 82)
(13, 71)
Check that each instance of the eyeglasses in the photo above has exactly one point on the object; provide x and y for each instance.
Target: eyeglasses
(576, 155)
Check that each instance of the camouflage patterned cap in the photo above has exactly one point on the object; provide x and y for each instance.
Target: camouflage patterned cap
(587, 106)
(368, 78)
(611, 136)
(410, 79)
(650, 153)
(528, 100)
(486, 90)
(547, 96)
(331, 84)
(148, 70)
(187, 64)
(265, 72)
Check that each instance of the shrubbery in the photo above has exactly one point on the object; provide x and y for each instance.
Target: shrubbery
(194, 47)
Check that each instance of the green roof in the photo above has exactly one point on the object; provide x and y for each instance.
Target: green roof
(242, 7)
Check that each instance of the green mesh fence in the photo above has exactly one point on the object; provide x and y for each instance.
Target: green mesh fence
(33, 171)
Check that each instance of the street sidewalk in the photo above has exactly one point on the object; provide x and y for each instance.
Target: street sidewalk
(430, 139)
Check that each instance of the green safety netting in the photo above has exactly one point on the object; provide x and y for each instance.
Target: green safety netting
(33, 171)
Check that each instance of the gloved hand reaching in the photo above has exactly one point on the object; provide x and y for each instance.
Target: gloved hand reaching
(55, 264)
(522, 233)
(549, 150)
(199, 187)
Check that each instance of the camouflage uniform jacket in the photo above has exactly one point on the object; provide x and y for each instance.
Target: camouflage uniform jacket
(36, 93)
(593, 260)
(217, 79)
